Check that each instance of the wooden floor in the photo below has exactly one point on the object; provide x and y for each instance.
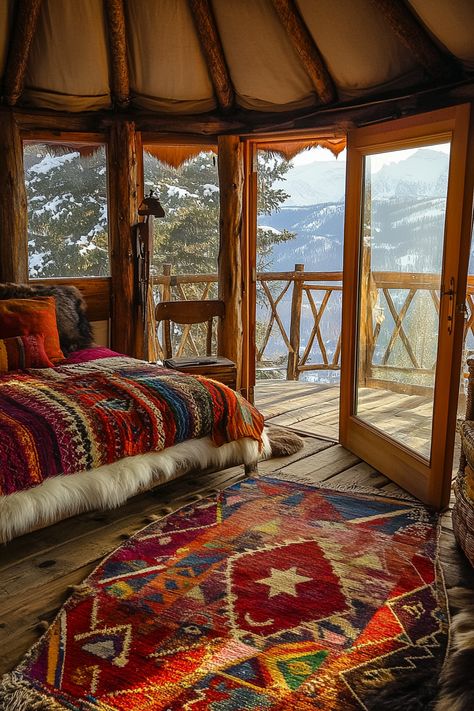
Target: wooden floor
(314, 409)
(36, 570)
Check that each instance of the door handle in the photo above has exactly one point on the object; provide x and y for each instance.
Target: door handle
(451, 292)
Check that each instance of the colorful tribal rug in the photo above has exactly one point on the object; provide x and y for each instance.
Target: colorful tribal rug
(272, 595)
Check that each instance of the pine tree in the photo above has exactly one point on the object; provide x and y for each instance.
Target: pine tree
(67, 212)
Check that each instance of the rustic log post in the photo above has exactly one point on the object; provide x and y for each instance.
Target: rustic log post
(13, 207)
(292, 372)
(231, 183)
(126, 323)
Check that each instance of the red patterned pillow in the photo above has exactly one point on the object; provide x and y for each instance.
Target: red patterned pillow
(23, 352)
(25, 317)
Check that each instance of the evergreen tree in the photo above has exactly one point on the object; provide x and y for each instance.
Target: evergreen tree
(67, 212)
(188, 237)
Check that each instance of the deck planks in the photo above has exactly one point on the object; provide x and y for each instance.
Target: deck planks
(37, 569)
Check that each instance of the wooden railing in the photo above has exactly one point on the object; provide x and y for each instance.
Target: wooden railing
(390, 354)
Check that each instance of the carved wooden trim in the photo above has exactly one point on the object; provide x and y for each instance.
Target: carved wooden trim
(415, 38)
(117, 40)
(213, 52)
(24, 27)
(306, 49)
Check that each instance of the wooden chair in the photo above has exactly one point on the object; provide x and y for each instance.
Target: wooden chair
(187, 313)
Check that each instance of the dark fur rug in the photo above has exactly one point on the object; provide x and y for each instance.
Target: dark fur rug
(456, 692)
(75, 331)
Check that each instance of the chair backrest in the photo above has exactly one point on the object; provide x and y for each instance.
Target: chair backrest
(188, 313)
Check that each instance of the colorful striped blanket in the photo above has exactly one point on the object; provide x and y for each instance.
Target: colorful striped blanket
(78, 417)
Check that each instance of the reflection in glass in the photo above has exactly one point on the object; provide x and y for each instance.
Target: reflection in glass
(402, 238)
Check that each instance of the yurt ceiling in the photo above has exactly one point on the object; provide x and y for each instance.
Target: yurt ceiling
(229, 58)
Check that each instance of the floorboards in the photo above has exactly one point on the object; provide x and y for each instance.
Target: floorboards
(36, 570)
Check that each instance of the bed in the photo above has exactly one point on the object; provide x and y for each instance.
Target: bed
(94, 428)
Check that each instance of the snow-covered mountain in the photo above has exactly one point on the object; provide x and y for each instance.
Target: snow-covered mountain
(315, 183)
(407, 202)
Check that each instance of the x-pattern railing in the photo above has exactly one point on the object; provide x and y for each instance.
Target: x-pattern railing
(317, 289)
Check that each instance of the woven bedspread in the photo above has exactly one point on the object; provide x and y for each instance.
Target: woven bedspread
(78, 417)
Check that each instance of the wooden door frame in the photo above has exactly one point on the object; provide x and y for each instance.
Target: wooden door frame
(249, 239)
(431, 483)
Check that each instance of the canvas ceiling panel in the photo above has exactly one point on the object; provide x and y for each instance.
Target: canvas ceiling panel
(5, 22)
(361, 50)
(264, 68)
(452, 23)
(166, 63)
(68, 66)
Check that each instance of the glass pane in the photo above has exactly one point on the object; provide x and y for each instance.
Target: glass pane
(403, 216)
(66, 189)
(186, 240)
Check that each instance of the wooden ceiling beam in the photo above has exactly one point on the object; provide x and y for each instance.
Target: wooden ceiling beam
(23, 31)
(306, 49)
(416, 39)
(118, 60)
(213, 51)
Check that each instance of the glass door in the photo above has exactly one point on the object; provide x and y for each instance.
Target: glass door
(406, 253)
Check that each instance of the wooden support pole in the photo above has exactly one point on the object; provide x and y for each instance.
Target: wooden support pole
(416, 39)
(24, 27)
(213, 51)
(306, 49)
(126, 322)
(117, 37)
(292, 372)
(231, 183)
(13, 207)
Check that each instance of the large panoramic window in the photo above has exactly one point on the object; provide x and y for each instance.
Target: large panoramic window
(66, 188)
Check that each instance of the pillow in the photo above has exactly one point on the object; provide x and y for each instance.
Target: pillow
(22, 352)
(23, 317)
(75, 331)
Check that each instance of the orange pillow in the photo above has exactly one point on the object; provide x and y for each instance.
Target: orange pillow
(23, 317)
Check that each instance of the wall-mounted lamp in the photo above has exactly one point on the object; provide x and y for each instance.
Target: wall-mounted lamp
(142, 233)
(151, 206)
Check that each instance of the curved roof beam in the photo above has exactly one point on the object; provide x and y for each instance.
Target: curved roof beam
(306, 49)
(416, 39)
(117, 42)
(213, 51)
(24, 26)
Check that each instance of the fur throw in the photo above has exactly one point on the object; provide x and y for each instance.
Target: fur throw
(111, 485)
(75, 331)
(284, 442)
(457, 678)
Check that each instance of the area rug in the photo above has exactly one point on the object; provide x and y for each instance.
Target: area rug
(270, 595)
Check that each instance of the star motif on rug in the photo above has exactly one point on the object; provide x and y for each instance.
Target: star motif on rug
(283, 581)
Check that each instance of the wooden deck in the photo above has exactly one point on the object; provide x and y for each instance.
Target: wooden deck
(36, 570)
(314, 409)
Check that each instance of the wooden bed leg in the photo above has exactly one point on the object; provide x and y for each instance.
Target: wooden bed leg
(251, 469)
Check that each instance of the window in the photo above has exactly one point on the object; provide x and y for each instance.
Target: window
(66, 188)
(187, 237)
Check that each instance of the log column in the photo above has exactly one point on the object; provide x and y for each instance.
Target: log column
(13, 208)
(231, 183)
(126, 326)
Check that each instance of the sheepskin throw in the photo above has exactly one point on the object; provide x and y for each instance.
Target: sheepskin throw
(78, 417)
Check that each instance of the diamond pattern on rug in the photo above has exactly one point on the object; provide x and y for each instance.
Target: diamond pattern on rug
(272, 595)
